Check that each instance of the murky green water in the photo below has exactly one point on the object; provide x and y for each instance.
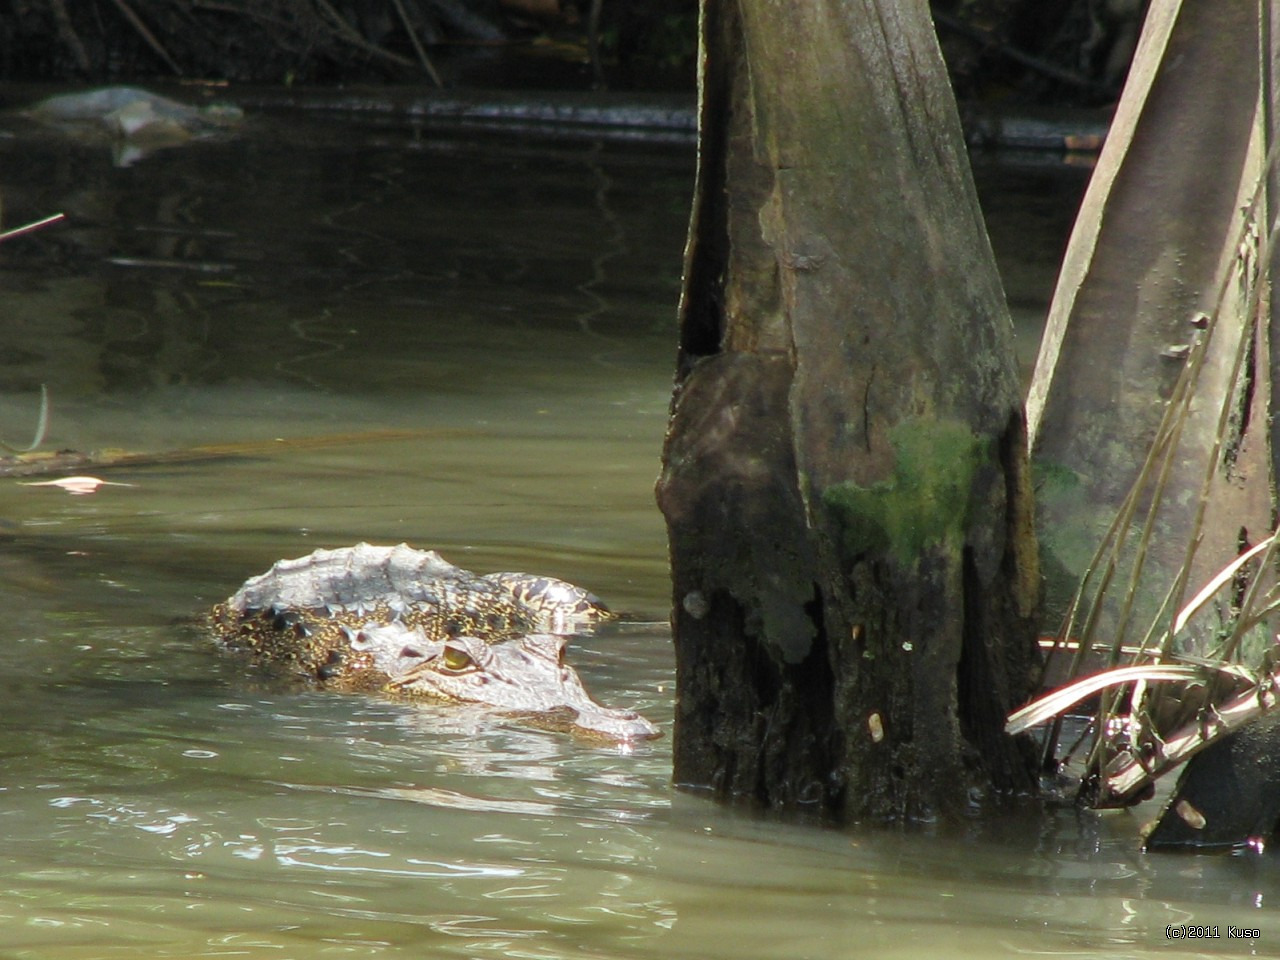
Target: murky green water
(506, 308)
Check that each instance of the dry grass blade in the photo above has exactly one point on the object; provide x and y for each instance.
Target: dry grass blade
(417, 44)
(67, 34)
(1054, 703)
(1129, 537)
(351, 35)
(148, 37)
(42, 426)
(31, 227)
(1130, 774)
(1214, 585)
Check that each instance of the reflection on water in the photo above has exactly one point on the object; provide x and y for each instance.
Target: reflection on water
(508, 309)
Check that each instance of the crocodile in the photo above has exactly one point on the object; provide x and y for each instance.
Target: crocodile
(407, 623)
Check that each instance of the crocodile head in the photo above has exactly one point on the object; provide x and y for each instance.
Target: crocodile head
(409, 623)
(522, 675)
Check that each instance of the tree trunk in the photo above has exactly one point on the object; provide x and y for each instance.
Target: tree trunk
(1159, 246)
(844, 477)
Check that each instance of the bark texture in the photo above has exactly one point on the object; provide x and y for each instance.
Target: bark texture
(844, 477)
(1161, 243)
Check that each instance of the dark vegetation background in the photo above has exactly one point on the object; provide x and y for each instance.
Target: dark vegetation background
(1055, 52)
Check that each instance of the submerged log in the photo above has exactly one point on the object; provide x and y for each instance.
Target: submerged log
(41, 463)
(844, 477)
(1228, 796)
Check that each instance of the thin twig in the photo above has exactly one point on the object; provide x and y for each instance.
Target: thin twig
(353, 37)
(147, 35)
(67, 34)
(31, 227)
(417, 45)
(1126, 778)
(1050, 70)
(593, 42)
(283, 33)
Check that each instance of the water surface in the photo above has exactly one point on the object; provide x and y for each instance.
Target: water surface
(482, 328)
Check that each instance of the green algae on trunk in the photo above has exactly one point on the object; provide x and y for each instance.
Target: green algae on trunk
(925, 502)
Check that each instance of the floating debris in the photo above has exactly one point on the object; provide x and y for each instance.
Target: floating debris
(77, 486)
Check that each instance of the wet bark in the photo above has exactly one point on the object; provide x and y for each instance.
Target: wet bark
(844, 476)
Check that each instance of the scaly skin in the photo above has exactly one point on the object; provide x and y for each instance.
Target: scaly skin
(406, 622)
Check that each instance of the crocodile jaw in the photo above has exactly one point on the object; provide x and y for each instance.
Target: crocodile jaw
(524, 675)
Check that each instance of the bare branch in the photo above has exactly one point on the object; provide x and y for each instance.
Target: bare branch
(417, 45)
(147, 35)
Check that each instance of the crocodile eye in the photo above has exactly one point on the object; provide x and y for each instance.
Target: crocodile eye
(456, 659)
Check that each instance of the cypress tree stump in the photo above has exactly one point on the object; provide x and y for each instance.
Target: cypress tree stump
(844, 478)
